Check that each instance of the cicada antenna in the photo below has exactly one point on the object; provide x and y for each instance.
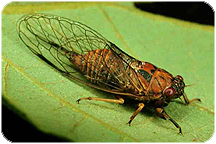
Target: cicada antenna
(189, 85)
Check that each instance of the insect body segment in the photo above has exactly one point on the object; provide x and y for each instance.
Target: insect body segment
(76, 50)
(102, 67)
(96, 64)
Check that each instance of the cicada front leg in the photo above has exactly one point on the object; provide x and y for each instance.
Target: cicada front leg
(187, 101)
(119, 100)
(162, 114)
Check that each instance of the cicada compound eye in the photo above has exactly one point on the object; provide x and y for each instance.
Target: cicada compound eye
(180, 77)
(169, 91)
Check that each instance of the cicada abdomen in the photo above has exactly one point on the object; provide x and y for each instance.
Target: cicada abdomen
(104, 68)
(98, 65)
(75, 50)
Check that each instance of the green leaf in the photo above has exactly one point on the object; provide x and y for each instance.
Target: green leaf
(48, 100)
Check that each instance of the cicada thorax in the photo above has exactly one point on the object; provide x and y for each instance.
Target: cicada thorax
(160, 80)
(153, 79)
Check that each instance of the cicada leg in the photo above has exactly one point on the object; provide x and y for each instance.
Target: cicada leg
(162, 114)
(187, 101)
(141, 106)
(119, 100)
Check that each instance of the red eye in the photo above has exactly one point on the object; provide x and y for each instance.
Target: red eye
(181, 78)
(169, 91)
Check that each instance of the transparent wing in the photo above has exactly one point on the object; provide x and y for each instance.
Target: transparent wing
(56, 39)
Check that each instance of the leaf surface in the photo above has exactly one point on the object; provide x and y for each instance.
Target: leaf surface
(48, 100)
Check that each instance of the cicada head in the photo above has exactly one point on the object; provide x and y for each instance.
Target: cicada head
(176, 89)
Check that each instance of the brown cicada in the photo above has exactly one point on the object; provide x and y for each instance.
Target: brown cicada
(76, 50)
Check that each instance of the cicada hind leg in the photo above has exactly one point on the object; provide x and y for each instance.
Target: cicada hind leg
(119, 100)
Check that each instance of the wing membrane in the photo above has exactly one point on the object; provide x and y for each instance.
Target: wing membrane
(56, 40)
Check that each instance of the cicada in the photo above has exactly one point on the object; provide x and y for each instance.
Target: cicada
(84, 55)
